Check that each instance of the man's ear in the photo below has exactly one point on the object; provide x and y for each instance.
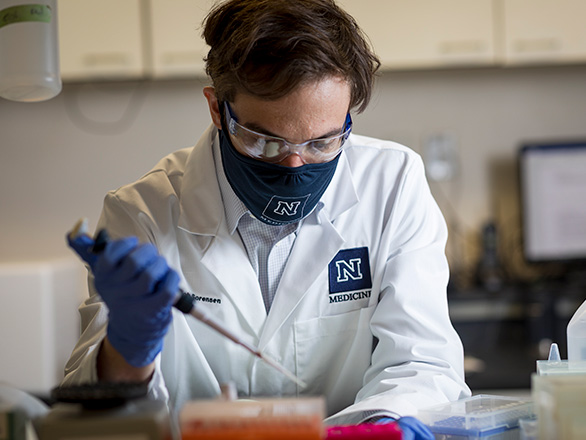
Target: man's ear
(214, 106)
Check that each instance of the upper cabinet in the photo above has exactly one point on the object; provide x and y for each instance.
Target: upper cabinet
(101, 40)
(119, 39)
(177, 47)
(544, 31)
(428, 33)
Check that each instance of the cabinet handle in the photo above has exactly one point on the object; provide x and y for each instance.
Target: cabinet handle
(537, 45)
(462, 47)
(106, 59)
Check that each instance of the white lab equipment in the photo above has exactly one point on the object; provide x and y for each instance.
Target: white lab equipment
(560, 405)
(555, 365)
(576, 334)
(549, 368)
(18, 411)
(558, 390)
(29, 50)
(39, 321)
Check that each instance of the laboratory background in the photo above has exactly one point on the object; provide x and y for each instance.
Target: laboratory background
(474, 87)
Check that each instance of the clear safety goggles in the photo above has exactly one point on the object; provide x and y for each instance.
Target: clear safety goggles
(275, 149)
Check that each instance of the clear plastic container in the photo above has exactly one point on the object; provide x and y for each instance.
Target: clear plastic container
(560, 406)
(528, 428)
(576, 333)
(546, 368)
(29, 50)
(478, 417)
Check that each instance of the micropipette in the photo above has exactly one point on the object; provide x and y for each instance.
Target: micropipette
(186, 304)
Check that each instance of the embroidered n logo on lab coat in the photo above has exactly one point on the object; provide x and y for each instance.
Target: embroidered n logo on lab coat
(349, 271)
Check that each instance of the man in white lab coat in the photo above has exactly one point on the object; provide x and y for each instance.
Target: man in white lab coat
(323, 248)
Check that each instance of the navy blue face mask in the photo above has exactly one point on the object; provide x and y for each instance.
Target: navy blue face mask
(275, 194)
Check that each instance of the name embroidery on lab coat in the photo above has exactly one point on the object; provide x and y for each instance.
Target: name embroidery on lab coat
(206, 299)
(349, 275)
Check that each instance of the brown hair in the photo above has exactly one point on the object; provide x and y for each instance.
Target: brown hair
(267, 48)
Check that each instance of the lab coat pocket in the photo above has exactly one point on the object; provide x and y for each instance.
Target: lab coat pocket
(333, 352)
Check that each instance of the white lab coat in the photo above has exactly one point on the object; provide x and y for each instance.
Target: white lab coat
(387, 349)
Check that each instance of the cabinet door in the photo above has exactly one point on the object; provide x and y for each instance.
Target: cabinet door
(178, 48)
(100, 39)
(427, 33)
(550, 31)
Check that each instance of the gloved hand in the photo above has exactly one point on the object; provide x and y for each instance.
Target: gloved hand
(139, 289)
(412, 428)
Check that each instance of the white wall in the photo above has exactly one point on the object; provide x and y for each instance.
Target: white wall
(58, 158)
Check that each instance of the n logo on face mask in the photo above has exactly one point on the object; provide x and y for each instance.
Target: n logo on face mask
(349, 271)
(285, 209)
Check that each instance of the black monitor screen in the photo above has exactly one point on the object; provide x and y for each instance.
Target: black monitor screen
(553, 198)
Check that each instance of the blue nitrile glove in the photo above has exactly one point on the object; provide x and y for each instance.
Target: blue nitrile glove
(83, 244)
(139, 289)
(412, 428)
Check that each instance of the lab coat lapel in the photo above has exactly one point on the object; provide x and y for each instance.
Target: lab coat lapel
(302, 269)
(202, 214)
(317, 243)
(201, 206)
(226, 258)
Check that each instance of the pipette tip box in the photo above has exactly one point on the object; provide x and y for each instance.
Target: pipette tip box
(481, 417)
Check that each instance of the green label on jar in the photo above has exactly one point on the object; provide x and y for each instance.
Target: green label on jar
(22, 13)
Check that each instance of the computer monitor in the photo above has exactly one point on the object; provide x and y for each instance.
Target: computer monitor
(553, 201)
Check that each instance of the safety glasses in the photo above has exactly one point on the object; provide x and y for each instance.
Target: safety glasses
(275, 149)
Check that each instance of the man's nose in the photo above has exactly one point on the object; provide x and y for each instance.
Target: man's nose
(292, 161)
